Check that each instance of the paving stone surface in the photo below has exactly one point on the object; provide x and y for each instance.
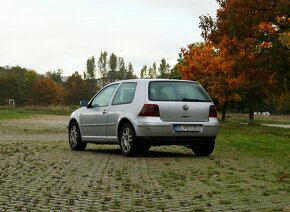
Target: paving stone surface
(38, 172)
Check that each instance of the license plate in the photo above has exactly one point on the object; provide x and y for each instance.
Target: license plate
(187, 128)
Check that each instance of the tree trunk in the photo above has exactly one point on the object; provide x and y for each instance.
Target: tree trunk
(224, 112)
(251, 109)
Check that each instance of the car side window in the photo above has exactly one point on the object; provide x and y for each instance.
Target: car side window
(125, 93)
(103, 98)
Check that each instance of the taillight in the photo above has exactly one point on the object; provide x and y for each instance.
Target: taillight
(212, 112)
(149, 110)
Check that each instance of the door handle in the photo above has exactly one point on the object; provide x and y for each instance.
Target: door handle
(104, 112)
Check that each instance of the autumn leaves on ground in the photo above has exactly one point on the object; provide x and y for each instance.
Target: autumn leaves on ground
(248, 171)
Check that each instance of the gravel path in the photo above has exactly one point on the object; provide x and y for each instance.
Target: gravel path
(277, 125)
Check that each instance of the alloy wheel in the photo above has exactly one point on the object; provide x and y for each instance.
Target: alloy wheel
(73, 138)
(126, 139)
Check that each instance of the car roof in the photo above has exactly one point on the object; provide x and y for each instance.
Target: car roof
(150, 80)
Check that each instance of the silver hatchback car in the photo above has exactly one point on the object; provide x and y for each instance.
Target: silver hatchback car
(138, 114)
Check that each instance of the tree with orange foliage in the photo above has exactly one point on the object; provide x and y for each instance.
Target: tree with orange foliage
(46, 92)
(254, 34)
(210, 66)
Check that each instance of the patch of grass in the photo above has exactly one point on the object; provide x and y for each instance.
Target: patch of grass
(225, 202)
(272, 119)
(138, 202)
(199, 209)
(266, 142)
(12, 114)
(116, 204)
(172, 178)
(259, 119)
(29, 111)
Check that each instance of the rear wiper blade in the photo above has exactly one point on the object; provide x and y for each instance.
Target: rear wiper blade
(193, 100)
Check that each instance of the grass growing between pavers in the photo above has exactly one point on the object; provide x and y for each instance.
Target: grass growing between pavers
(248, 171)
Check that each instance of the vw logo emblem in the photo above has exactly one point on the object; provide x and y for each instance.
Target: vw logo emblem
(185, 107)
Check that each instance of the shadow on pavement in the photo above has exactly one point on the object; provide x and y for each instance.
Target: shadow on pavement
(150, 154)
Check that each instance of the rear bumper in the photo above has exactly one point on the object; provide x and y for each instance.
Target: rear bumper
(163, 132)
(171, 140)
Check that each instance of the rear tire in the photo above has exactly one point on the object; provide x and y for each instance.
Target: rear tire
(203, 149)
(75, 139)
(128, 140)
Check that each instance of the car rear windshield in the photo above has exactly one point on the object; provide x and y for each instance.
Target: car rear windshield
(177, 91)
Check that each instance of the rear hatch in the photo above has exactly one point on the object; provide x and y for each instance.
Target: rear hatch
(180, 101)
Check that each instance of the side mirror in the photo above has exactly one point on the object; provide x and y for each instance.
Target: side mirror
(84, 103)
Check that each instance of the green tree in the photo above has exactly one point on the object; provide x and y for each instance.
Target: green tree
(91, 74)
(103, 67)
(112, 75)
(152, 72)
(55, 75)
(175, 73)
(143, 73)
(122, 68)
(12, 84)
(130, 72)
(8, 87)
(164, 69)
(30, 78)
(91, 68)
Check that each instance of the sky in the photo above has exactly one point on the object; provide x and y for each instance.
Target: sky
(47, 35)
